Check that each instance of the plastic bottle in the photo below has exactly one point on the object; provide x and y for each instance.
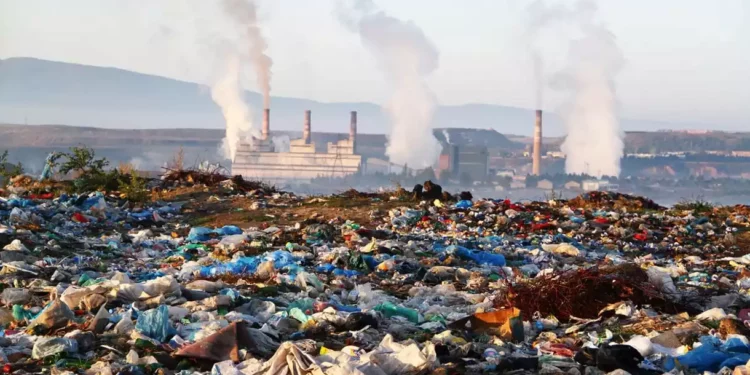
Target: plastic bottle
(390, 310)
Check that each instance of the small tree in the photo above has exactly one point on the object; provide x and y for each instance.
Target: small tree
(134, 188)
(83, 160)
(90, 170)
(7, 169)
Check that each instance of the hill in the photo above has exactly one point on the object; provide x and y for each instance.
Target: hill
(34, 91)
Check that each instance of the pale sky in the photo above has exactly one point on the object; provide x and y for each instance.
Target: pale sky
(686, 60)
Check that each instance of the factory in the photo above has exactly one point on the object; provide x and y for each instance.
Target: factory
(459, 162)
(303, 160)
(258, 159)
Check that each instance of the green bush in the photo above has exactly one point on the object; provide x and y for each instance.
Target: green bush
(134, 188)
(7, 169)
(90, 171)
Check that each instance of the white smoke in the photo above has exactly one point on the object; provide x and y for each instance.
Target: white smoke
(447, 136)
(281, 143)
(593, 144)
(227, 91)
(406, 57)
(245, 15)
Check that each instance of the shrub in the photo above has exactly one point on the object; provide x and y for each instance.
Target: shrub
(133, 188)
(7, 169)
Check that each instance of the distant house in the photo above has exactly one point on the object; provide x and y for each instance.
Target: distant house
(592, 185)
(505, 173)
(572, 185)
(499, 188)
(545, 184)
(517, 184)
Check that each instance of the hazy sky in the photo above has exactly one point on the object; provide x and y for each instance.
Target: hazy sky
(686, 60)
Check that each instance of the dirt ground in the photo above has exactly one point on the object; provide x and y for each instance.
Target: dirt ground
(244, 212)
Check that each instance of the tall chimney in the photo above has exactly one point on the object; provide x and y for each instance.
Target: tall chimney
(266, 123)
(306, 135)
(353, 131)
(536, 165)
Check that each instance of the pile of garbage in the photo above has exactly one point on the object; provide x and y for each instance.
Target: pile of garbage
(442, 284)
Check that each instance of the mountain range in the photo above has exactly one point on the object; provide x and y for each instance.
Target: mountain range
(34, 91)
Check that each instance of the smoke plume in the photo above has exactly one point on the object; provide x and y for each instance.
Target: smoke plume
(245, 15)
(227, 93)
(406, 56)
(593, 144)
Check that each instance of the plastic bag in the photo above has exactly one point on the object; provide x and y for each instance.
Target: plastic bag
(706, 357)
(464, 204)
(290, 359)
(199, 234)
(155, 324)
(397, 359)
(6, 317)
(16, 245)
(49, 346)
(14, 296)
(481, 257)
(712, 314)
(125, 325)
(260, 310)
(231, 242)
(228, 230)
(162, 286)
(663, 281)
(55, 315)
(101, 320)
(390, 310)
(73, 296)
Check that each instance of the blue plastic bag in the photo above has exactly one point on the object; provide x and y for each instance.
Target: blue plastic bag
(464, 204)
(155, 324)
(240, 266)
(481, 257)
(199, 234)
(706, 357)
(228, 230)
(281, 258)
(325, 268)
(737, 360)
(735, 345)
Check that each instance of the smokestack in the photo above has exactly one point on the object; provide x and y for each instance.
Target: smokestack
(536, 165)
(353, 131)
(266, 124)
(306, 134)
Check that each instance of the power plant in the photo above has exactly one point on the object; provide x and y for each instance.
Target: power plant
(258, 159)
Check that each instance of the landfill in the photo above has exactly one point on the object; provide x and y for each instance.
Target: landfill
(222, 276)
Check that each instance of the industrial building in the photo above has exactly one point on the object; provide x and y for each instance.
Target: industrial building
(258, 160)
(459, 161)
